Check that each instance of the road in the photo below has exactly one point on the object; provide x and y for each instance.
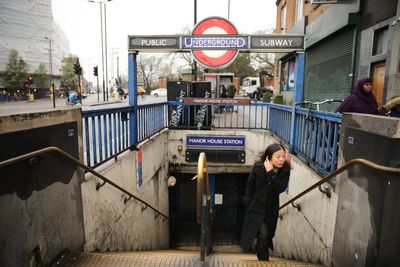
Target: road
(41, 105)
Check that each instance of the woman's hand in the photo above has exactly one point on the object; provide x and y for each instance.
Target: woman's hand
(268, 165)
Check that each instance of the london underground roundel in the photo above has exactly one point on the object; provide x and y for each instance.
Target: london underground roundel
(214, 59)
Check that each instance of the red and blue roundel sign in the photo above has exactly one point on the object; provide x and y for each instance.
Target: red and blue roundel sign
(214, 59)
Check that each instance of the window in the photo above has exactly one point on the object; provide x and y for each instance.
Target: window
(299, 10)
(284, 74)
(287, 80)
(380, 41)
(283, 19)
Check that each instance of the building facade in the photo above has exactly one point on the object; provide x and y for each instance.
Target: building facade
(28, 26)
(345, 40)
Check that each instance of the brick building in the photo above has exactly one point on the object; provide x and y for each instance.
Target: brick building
(345, 40)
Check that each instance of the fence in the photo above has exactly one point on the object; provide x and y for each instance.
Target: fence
(314, 135)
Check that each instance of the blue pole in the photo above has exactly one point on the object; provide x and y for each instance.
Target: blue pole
(132, 89)
(298, 93)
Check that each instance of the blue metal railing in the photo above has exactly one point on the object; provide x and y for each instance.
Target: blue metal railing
(105, 134)
(106, 131)
(151, 119)
(280, 121)
(314, 135)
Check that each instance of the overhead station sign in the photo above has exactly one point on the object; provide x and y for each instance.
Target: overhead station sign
(277, 42)
(215, 43)
(154, 42)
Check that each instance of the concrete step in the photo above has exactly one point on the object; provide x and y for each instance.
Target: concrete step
(175, 258)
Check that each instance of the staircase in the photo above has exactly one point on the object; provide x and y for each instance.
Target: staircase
(175, 258)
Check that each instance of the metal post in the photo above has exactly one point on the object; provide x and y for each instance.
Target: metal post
(195, 22)
(98, 90)
(229, 8)
(80, 88)
(132, 91)
(102, 50)
(297, 98)
(51, 73)
(105, 46)
(119, 81)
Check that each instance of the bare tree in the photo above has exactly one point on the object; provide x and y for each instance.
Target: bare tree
(187, 57)
(148, 67)
(264, 61)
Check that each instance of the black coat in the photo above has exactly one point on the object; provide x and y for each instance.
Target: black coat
(262, 202)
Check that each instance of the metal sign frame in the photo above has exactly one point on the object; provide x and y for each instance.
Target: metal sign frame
(255, 43)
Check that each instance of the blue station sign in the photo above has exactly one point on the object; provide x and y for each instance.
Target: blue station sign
(215, 141)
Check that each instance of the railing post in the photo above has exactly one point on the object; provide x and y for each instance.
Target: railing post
(132, 92)
(297, 97)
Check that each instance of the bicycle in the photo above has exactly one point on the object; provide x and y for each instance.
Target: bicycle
(318, 137)
(309, 104)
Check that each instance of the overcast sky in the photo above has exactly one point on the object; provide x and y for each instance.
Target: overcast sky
(80, 21)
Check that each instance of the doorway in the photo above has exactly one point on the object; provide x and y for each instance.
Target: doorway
(227, 190)
(378, 80)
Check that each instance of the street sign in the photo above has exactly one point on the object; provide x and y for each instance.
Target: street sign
(215, 42)
(153, 42)
(215, 58)
(276, 42)
(215, 141)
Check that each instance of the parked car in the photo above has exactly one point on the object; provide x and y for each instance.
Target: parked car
(159, 92)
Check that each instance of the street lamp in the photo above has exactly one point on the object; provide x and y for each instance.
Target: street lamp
(194, 70)
(229, 8)
(103, 44)
(51, 73)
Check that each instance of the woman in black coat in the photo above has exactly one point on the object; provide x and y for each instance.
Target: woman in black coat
(268, 178)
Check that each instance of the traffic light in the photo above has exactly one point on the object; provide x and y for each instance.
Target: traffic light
(30, 79)
(95, 69)
(77, 67)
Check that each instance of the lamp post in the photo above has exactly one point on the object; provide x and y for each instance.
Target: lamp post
(51, 73)
(229, 8)
(103, 44)
(195, 63)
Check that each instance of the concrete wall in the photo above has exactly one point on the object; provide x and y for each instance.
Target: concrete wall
(112, 225)
(49, 219)
(306, 234)
(368, 215)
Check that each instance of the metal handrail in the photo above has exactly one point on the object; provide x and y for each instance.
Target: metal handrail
(80, 164)
(340, 170)
(203, 198)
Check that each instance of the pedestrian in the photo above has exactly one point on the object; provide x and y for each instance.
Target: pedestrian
(231, 91)
(121, 93)
(231, 94)
(362, 100)
(268, 178)
(15, 96)
(223, 94)
(4, 95)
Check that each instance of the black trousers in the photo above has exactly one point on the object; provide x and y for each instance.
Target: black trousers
(262, 243)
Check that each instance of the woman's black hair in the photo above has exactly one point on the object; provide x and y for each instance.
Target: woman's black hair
(271, 149)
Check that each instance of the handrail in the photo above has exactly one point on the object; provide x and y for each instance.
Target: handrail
(80, 164)
(203, 203)
(341, 169)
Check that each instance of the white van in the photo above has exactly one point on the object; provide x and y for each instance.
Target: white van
(250, 86)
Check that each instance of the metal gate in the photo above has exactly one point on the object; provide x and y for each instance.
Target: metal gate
(228, 191)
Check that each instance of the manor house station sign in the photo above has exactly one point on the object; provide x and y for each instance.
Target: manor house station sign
(215, 42)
